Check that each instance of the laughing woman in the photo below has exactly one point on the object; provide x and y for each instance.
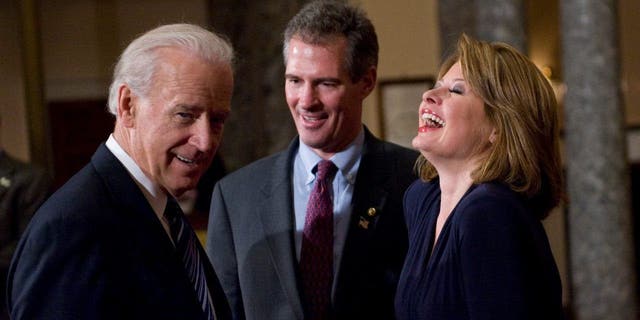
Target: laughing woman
(490, 171)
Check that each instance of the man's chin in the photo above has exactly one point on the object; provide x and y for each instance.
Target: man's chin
(314, 140)
(178, 190)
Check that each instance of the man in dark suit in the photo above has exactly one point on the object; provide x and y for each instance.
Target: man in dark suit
(260, 225)
(23, 188)
(110, 244)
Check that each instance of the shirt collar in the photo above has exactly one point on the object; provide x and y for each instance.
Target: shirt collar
(346, 160)
(156, 197)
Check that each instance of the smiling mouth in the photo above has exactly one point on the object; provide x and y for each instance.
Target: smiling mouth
(310, 119)
(185, 160)
(433, 121)
(313, 118)
(313, 121)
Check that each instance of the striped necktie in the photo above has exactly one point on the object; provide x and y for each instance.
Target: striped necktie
(316, 258)
(185, 241)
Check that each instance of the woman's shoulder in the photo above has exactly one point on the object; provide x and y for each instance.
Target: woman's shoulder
(419, 194)
(420, 189)
(492, 195)
(492, 204)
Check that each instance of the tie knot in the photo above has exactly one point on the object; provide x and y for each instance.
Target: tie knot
(325, 170)
(172, 211)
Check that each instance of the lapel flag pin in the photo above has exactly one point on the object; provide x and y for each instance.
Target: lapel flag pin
(363, 223)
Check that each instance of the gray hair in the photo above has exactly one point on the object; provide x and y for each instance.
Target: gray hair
(319, 22)
(140, 59)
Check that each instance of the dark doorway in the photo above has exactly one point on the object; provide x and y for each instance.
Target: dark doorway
(77, 129)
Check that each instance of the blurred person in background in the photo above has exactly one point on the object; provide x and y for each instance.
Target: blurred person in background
(23, 188)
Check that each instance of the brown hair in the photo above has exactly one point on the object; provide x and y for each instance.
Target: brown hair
(319, 22)
(521, 104)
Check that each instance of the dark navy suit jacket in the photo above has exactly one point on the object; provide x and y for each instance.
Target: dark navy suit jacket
(96, 250)
(250, 237)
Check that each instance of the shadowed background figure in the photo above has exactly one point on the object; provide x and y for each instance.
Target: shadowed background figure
(23, 188)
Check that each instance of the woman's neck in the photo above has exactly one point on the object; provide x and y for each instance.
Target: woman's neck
(452, 187)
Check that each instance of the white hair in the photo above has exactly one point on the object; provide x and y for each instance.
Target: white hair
(139, 61)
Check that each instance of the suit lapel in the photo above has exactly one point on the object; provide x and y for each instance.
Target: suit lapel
(370, 193)
(143, 225)
(126, 194)
(369, 198)
(277, 216)
(372, 187)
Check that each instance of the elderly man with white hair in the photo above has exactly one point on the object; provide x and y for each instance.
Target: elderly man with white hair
(112, 243)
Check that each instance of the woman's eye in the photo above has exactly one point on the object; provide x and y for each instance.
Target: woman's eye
(456, 90)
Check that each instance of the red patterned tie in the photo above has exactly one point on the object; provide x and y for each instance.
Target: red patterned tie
(316, 258)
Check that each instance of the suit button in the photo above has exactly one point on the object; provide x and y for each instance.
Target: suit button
(372, 212)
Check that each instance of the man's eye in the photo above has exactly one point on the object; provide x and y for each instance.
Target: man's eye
(329, 84)
(186, 115)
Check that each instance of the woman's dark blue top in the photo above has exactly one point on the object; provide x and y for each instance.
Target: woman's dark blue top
(492, 259)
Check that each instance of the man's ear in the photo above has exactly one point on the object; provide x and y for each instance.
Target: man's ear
(369, 81)
(126, 106)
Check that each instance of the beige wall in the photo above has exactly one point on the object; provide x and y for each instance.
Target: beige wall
(409, 45)
(82, 39)
(80, 43)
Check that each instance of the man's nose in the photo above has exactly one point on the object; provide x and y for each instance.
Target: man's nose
(307, 96)
(203, 137)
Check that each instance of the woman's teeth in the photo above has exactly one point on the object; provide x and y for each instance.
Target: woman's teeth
(432, 120)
